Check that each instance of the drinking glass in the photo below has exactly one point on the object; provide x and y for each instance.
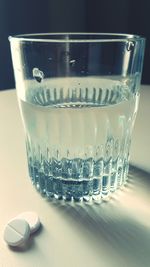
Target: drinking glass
(78, 95)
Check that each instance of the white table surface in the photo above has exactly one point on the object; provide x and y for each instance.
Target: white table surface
(112, 234)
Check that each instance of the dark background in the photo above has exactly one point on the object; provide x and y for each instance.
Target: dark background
(33, 16)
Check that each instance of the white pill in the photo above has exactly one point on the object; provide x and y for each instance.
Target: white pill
(32, 218)
(16, 232)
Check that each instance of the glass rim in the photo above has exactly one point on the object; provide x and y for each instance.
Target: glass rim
(73, 37)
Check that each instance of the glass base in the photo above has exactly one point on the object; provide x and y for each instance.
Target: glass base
(87, 189)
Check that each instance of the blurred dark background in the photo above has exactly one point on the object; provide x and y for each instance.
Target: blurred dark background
(24, 16)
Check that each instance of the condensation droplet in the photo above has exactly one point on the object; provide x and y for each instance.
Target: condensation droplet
(129, 45)
(38, 74)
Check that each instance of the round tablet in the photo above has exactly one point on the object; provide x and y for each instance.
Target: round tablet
(16, 232)
(32, 218)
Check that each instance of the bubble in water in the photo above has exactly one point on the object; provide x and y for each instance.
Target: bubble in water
(72, 62)
(65, 56)
(18, 69)
(129, 46)
(82, 71)
(38, 74)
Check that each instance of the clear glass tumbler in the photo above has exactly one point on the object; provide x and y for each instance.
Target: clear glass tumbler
(78, 95)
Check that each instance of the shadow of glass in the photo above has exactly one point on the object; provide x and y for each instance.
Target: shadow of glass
(108, 222)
